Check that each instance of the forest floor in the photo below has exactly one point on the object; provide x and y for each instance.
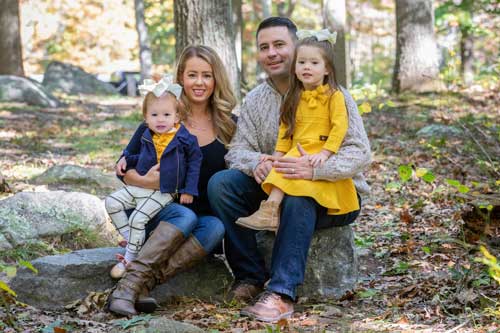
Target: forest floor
(418, 234)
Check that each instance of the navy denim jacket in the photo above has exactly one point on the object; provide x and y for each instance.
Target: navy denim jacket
(179, 164)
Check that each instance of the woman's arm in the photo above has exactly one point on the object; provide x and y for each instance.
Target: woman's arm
(150, 180)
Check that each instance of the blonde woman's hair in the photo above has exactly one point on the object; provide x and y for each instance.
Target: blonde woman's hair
(222, 101)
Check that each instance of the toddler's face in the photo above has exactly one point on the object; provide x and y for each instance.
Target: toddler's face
(161, 115)
(310, 67)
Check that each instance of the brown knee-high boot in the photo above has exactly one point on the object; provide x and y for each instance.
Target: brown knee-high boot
(139, 278)
(186, 256)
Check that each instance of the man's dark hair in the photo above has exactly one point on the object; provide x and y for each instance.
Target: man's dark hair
(278, 21)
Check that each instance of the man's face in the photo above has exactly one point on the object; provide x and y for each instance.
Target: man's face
(275, 51)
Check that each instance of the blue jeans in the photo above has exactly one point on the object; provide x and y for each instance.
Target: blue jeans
(208, 230)
(233, 194)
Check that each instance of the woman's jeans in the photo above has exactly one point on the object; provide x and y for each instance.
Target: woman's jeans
(208, 230)
(233, 194)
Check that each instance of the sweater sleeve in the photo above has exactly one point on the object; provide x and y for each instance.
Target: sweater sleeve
(244, 152)
(338, 122)
(354, 155)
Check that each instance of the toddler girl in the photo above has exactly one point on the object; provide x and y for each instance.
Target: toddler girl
(313, 115)
(172, 150)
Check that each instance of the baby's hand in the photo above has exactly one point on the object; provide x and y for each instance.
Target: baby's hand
(266, 157)
(186, 198)
(121, 166)
(318, 159)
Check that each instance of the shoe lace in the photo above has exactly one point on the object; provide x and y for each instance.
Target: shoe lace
(267, 296)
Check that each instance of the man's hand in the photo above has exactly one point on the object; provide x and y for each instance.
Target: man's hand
(262, 170)
(121, 166)
(295, 167)
(186, 198)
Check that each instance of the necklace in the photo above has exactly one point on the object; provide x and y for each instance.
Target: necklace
(194, 125)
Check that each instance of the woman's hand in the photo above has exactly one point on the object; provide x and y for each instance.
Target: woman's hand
(295, 167)
(121, 166)
(186, 198)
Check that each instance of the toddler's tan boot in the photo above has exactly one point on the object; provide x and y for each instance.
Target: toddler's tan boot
(266, 218)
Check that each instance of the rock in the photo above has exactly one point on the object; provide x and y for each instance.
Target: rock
(62, 279)
(332, 265)
(67, 174)
(74, 80)
(24, 90)
(160, 325)
(439, 131)
(29, 217)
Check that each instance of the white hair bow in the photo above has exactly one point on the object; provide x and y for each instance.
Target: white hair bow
(320, 35)
(160, 87)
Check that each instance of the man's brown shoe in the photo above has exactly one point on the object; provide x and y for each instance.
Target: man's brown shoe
(243, 292)
(270, 307)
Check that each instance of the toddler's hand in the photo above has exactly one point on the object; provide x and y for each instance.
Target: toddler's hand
(266, 157)
(186, 198)
(121, 166)
(318, 159)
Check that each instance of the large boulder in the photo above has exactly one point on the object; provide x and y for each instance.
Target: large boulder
(74, 80)
(332, 265)
(62, 279)
(67, 176)
(30, 217)
(24, 90)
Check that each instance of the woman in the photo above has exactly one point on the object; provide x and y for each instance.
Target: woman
(182, 235)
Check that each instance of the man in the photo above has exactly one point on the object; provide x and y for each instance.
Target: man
(236, 192)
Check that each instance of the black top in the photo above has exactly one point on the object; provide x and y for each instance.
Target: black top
(213, 161)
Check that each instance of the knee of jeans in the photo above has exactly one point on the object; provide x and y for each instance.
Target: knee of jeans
(218, 229)
(218, 184)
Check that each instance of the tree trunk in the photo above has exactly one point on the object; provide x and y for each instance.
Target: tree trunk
(335, 18)
(145, 55)
(11, 56)
(283, 11)
(417, 55)
(238, 29)
(467, 56)
(208, 23)
(267, 8)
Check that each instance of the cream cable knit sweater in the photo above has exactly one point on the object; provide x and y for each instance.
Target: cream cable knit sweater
(257, 134)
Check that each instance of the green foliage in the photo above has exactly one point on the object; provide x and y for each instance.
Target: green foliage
(491, 261)
(159, 17)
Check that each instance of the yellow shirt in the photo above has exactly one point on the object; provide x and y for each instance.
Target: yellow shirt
(161, 141)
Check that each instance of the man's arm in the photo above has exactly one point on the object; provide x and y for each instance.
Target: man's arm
(244, 152)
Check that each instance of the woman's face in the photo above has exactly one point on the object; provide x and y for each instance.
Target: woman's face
(198, 80)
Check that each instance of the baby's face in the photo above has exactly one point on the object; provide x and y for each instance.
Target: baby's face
(161, 114)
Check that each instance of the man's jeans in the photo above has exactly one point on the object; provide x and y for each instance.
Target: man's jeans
(233, 194)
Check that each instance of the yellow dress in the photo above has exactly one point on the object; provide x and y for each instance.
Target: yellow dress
(321, 122)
